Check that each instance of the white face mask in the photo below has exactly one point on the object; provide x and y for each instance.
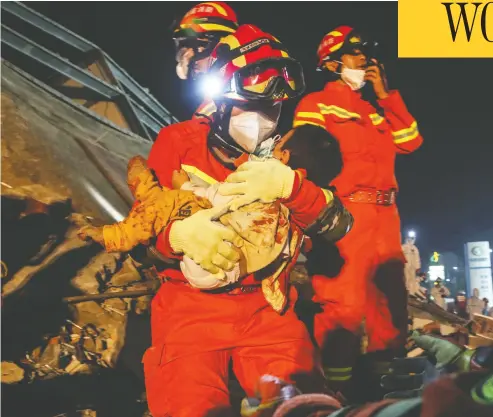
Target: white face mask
(250, 128)
(355, 78)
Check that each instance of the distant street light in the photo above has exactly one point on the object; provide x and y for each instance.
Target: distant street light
(411, 234)
(456, 268)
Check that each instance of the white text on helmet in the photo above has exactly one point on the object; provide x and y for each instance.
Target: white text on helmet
(245, 48)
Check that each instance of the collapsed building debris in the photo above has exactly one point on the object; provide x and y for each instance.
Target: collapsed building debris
(47, 196)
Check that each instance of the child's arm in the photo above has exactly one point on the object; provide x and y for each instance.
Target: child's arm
(154, 209)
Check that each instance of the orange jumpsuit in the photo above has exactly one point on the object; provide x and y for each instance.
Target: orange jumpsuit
(369, 142)
(195, 333)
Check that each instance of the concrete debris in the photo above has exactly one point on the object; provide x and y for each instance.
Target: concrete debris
(11, 373)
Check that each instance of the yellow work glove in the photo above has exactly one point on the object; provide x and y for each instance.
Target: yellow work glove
(206, 241)
(264, 181)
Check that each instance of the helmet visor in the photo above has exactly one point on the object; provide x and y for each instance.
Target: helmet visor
(271, 79)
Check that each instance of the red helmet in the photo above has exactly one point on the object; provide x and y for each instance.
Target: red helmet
(208, 21)
(253, 65)
(341, 40)
(200, 30)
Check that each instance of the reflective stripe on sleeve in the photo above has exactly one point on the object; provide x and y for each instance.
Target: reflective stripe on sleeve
(405, 135)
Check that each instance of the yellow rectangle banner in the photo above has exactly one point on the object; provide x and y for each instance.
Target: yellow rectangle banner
(445, 29)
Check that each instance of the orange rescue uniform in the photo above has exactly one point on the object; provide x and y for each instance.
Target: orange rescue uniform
(196, 333)
(206, 108)
(369, 141)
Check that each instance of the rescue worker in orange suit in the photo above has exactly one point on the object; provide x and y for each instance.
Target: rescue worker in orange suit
(196, 333)
(196, 36)
(370, 285)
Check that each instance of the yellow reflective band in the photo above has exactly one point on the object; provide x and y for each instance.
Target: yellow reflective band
(207, 109)
(338, 369)
(376, 119)
(310, 115)
(214, 26)
(299, 123)
(233, 43)
(338, 111)
(405, 135)
(336, 47)
(195, 171)
(328, 198)
(339, 378)
(216, 6)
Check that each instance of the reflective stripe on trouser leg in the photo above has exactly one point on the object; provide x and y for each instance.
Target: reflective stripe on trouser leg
(338, 374)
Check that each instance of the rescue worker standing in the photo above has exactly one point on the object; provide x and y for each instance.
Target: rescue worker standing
(439, 292)
(196, 333)
(371, 284)
(413, 264)
(474, 304)
(196, 36)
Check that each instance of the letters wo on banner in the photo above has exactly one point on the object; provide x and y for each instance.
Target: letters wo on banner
(445, 29)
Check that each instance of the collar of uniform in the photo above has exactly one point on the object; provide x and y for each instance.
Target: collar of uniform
(341, 88)
(302, 172)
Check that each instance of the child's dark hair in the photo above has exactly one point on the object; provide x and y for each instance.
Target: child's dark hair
(317, 152)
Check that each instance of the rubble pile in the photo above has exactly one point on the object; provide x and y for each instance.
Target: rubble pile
(54, 157)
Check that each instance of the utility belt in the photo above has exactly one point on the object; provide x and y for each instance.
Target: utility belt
(378, 197)
(232, 289)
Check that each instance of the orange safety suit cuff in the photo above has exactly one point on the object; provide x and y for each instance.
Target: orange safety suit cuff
(394, 99)
(306, 201)
(163, 244)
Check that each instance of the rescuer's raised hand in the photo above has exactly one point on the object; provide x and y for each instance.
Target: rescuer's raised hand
(205, 241)
(264, 181)
(376, 75)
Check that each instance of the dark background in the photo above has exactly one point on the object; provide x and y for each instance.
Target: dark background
(446, 186)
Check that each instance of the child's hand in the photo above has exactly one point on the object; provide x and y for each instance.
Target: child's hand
(179, 178)
(88, 233)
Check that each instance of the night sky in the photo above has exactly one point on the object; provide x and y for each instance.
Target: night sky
(446, 187)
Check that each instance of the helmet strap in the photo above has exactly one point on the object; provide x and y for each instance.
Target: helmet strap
(219, 134)
(197, 56)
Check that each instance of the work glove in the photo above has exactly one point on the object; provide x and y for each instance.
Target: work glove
(206, 241)
(449, 355)
(264, 181)
(408, 376)
(204, 280)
